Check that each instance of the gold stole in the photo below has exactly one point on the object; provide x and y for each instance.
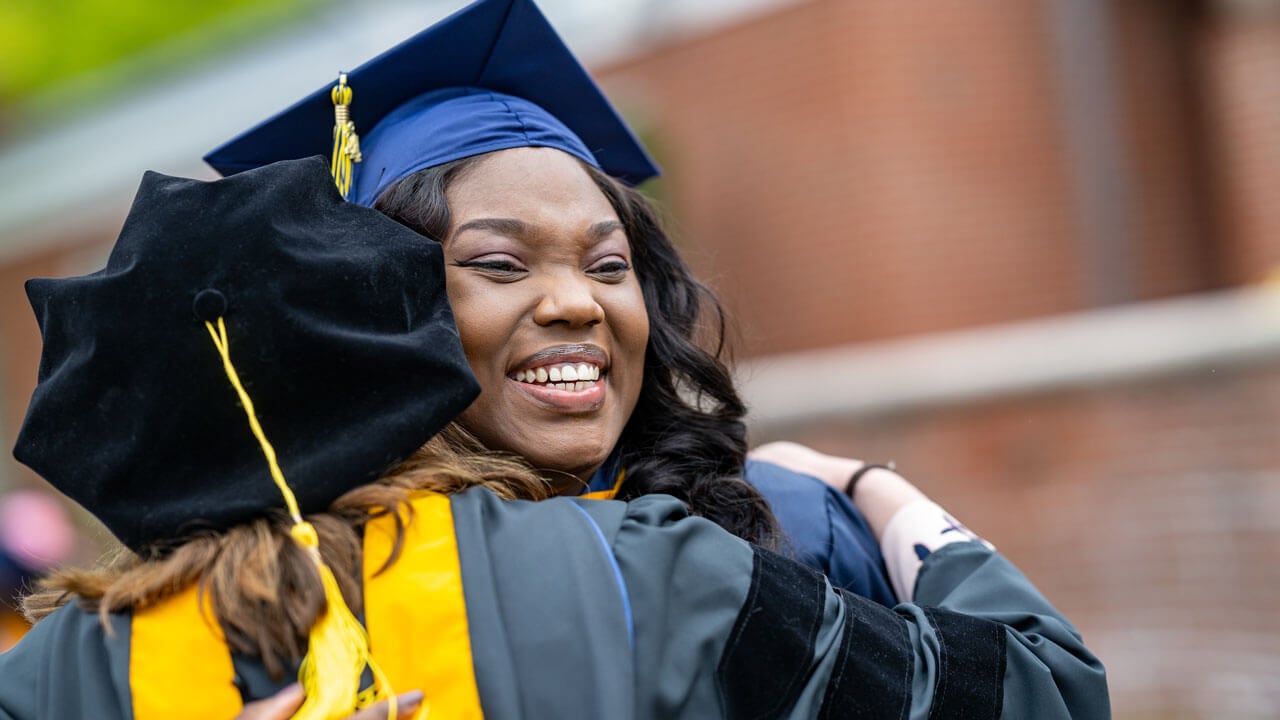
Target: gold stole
(180, 666)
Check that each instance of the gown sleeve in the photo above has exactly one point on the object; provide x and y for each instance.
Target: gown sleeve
(725, 629)
(937, 562)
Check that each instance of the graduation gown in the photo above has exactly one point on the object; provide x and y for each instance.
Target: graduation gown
(573, 608)
(820, 526)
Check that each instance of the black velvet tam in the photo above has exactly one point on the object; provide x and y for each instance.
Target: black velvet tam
(339, 328)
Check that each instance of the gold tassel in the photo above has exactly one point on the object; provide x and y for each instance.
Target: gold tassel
(337, 651)
(346, 143)
(338, 645)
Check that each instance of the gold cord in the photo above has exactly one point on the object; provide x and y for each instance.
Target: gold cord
(338, 645)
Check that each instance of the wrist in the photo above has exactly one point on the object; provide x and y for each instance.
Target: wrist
(879, 494)
(864, 469)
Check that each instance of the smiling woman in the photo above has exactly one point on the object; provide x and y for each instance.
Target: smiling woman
(551, 314)
(510, 156)
(553, 264)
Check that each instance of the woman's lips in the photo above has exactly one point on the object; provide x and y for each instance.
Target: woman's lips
(589, 398)
(564, 378)
(559, 355)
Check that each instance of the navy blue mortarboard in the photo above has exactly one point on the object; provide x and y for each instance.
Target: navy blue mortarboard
(494, 75)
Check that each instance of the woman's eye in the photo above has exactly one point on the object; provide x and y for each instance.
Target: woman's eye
(496, 266)
(611, 269)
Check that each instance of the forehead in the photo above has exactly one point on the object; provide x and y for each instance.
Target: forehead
(534, 185)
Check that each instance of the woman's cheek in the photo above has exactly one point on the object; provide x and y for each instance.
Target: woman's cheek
(633, 317)
(475, 323)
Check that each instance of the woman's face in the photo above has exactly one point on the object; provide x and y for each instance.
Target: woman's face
(550, 312)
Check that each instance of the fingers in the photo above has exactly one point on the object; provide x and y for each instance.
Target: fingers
(777, 451)
(285, 703)
(406, 705)
(280, 706)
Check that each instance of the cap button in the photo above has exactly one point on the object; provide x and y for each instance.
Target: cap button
(209, 305)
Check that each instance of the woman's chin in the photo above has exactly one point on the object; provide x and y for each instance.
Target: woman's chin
(570, 478)
(566, 448)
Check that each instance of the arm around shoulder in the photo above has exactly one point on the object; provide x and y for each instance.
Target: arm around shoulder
(984, 641)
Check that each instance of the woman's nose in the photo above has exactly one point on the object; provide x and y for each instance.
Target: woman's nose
(568, 300)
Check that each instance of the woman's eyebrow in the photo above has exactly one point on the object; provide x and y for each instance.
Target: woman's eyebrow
(517, 229)
(605, 228)
(503, 226)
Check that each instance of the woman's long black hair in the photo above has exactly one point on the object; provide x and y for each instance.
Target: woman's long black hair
(686, 437)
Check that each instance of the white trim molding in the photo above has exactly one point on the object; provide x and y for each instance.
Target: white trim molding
(1199, 333)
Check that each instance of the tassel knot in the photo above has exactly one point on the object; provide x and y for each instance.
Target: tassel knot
(304, 534)
(346, 143)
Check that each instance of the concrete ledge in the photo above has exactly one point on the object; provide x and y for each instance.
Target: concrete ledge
(1198, 333)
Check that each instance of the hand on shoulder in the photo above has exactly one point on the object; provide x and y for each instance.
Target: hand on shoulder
(830, 469)
(879, 494)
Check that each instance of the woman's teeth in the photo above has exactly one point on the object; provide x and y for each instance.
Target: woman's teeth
(561, 377)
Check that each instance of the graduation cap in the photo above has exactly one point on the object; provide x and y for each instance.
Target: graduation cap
(346, 360)
(336, 319)
(494, 75)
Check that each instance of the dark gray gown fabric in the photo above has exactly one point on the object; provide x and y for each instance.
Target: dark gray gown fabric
(582, 608)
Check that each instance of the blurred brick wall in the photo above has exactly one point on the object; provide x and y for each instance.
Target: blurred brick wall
(1148, 511)
(1239, 61)
(844, 171)
(1164, 127)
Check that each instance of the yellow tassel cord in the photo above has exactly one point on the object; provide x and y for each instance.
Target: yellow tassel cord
(346, 144)
(338, 646)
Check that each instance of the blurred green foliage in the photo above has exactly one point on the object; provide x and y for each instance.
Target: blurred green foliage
(44, 43)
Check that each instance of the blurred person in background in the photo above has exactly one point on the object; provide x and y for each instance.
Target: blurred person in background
(35, 536)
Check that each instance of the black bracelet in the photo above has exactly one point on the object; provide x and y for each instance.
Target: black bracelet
(857, 474)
